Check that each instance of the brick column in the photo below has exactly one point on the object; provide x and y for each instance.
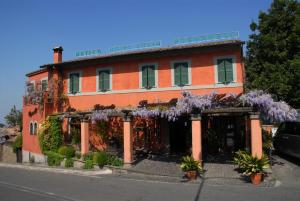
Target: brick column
(196, 137)
(256, 136)
(84, 136)
(128, 140)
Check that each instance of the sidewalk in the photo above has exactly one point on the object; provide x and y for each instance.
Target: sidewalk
(80, 172)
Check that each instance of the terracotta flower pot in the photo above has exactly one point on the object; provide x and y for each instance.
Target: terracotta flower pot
(191, 175)
(256, 178)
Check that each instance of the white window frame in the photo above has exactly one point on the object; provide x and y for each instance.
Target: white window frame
(233, 57)
(80, 81)
(43, 79)
(189, 71)
(110, 69)
(141, 65)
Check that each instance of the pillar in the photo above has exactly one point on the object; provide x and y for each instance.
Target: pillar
(196, 137)
(256, 136)
(84, 136)
(128, 140)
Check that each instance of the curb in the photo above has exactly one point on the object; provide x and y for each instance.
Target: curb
(58, 170)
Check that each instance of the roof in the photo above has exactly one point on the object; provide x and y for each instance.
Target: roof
(147, 52)
(36, 72)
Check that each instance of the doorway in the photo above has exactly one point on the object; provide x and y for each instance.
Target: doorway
(180, 136)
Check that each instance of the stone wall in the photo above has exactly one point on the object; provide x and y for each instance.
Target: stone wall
(6, 154)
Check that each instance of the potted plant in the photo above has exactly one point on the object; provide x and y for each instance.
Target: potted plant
(191, 167)
(251, 166)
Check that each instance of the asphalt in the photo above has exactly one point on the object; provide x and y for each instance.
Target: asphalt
(29, 185)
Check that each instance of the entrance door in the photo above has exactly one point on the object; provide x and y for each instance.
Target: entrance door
(180, 136)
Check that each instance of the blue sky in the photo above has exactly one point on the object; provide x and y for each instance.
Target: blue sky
(30, 29)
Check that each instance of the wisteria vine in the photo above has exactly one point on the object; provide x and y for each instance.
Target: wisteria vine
(263, 102)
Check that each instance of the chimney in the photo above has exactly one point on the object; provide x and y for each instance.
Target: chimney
(57, 54)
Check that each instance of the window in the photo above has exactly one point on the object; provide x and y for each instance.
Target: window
(44, 84)
(74, 83)
(31, 129)
(104, 79)
(225, 70)
(148, 76)
(35, 128)
(181, 73)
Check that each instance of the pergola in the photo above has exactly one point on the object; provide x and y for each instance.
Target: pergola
(196, 118)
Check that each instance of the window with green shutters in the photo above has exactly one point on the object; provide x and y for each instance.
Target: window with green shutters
(225, 70)
(44, 84)
(74, 82)
(103, 80)
(148, 76)
(181, 73)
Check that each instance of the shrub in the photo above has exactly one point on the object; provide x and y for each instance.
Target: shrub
(17, 144)
(88, 156)
(190, 164)
(77, 155)
(69, 162)
(100, 158)
(88, 164)
(67, 151)
(50, 135)
(114, 161)
(250, 164)
(53, 159)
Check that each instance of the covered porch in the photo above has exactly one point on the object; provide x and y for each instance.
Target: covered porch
(232, 129)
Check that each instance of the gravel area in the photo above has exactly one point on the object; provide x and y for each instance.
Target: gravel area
(159, 165)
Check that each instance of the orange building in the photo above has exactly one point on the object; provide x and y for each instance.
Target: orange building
(157, 75)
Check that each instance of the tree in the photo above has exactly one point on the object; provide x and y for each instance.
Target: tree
(273, 52)
(14, 117)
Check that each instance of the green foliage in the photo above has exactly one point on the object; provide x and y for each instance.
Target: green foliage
(249, 164)
(102, 129)
(88, 164)
(53, 158)
(75, 136)
(267, 141)
(50, 136)
(67, 151)
(77, 155)
(273, 52)
(88, 156)
(100, 158)
(1, 125)
(17, 144)
(114, 161)
(189, 164)
(69, 162)
(14, 117)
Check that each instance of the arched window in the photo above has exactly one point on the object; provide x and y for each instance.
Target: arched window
(31, 129)
(35, 128)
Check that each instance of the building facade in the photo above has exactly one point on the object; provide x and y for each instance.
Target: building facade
(124, 80)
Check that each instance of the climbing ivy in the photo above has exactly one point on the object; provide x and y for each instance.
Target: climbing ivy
(50, 135)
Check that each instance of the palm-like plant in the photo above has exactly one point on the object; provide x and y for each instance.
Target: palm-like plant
(250, 164)
(190, 164)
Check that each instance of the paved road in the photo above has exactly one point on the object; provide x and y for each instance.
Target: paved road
(25, 185)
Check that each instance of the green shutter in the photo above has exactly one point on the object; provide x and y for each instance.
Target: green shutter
(144, 77)
(75, 87)
(229, 70)
(221, 71)
(177, 76)
(151, 76)
(44, 85)
(106, 80)
(184, 73)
